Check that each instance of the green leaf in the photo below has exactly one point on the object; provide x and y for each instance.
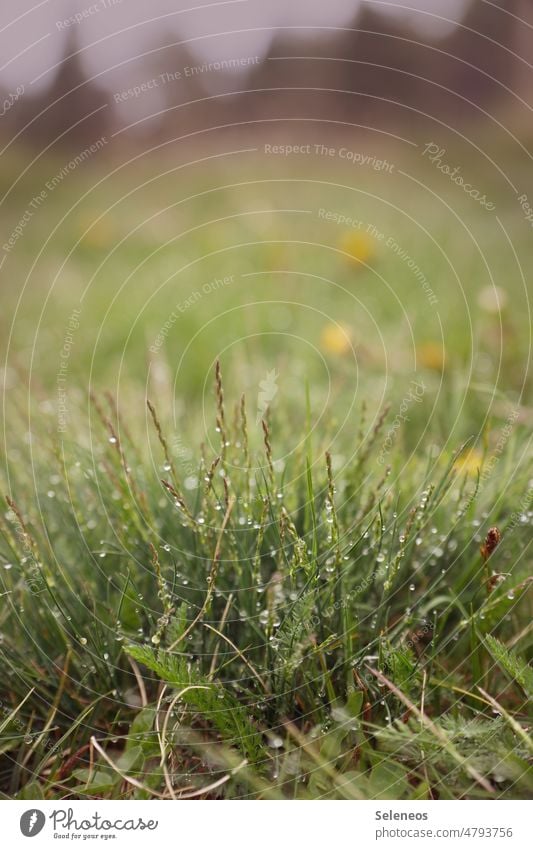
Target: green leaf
(388, 781)
(177, 625)
(354, 703)
(141, 731)
(331, 747)
(204, 697)
(515, 666)
(31, 790)
(402, 669)
(97, 781)
(130, 759)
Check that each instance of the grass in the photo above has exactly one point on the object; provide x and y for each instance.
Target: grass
(262, 565)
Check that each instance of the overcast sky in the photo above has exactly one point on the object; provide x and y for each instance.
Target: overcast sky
(114, 32)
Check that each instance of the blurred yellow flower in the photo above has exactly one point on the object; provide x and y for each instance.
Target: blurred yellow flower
(275, 255)
(96, 233)
(469, 462)
(336, 338)
(430, 355)
(358, 246)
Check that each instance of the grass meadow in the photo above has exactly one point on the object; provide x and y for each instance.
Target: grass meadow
(266, 459)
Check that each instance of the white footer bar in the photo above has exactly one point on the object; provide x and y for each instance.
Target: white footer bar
(267, 825)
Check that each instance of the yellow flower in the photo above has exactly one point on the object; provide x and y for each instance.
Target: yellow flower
(430, 355)
(358, 246)
(96, 233)
(469, 462)
(336, 338)
(276, 256)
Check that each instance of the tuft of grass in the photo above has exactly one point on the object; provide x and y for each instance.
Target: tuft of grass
(296, 625)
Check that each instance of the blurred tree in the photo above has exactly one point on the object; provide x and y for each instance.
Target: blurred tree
(71, 111)
(523, 44)
(483, 44)
(376, 71)
(180, 90)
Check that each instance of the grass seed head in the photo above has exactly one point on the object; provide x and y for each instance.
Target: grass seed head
(491, 542)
